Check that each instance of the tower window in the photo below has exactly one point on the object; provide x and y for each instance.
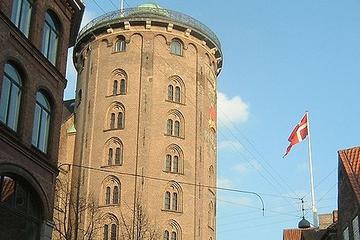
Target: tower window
(116, 195)
(167, 200)
(10, 97)
(176, 47)
(115, 87)
(120, 45)
(21, 15)
(177, 128)
(107, 195)
(113, 232)
(166, 235)
(170, 93)
(169, 130)
(173, 236)
(177, 94)
(123, 87)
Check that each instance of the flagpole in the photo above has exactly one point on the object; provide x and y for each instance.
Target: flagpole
(313, 206)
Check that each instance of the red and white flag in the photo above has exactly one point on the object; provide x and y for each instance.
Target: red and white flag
(298, 134)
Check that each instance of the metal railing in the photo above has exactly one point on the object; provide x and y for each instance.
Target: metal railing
(148, 13)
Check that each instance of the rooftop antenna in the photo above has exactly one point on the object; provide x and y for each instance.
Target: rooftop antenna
(303, 223)
(122, 7)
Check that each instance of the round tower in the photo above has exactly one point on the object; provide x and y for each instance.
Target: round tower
(146, 121)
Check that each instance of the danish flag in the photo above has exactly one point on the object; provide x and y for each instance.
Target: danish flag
(298, 134)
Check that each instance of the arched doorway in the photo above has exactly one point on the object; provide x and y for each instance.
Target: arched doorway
(20, 209)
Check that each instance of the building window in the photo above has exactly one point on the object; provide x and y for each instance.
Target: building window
(120, 120)
(346, 234)
(172, 197)
(176, 47)
(355, 224)
(113, 232)
(118, 83)
(40, 134)
(10, 97)
(51, 37)
(177, 94)
(169, 128)
(20, 209)
(174, 201)
(115, 87)
(113, 152)
(175, 124)
(173, 159)
(112, 121)
(21, 15)
(122, 87)
(118, 156)
(173, 236)
(166, 235)
(176, 90)
(107, 195)
(167, 200)
(116, 115)
(170, 92)
(177, 128)
(106, 232)
(120, 45)
(116, 195)
(110, 156)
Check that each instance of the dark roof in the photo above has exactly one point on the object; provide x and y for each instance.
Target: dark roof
(350, 159)
(68, 109)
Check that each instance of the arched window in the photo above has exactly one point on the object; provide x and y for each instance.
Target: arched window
(177, 128)
(120, 45)
(118, 83)
(173, 159)
(41, 123)
(115, 87)
(20, 209)
(113, 153)
(10, 97)
(169, 127)
(107, 195)
(116, 195)
(116, 116)
(111, 190)
(176, 47)
(167, 200)
(166, 235)
(173, 236)
(173, 197)
(122, 87)
(176, 90)
(21, 15)
(170, 92)
(177, 94)
(51, 37)
(175, 124)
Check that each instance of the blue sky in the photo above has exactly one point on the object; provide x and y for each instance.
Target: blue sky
(281, 58)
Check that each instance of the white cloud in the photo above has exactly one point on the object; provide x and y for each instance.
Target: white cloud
(231, 110)
(241, 168)
(224, 183)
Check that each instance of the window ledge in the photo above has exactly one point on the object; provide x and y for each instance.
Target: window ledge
(172, 101)
(109, 205)
(168, 135)
(109, 166)
(115, 95)
(175, 173)
(113, 129)
(171, 211)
